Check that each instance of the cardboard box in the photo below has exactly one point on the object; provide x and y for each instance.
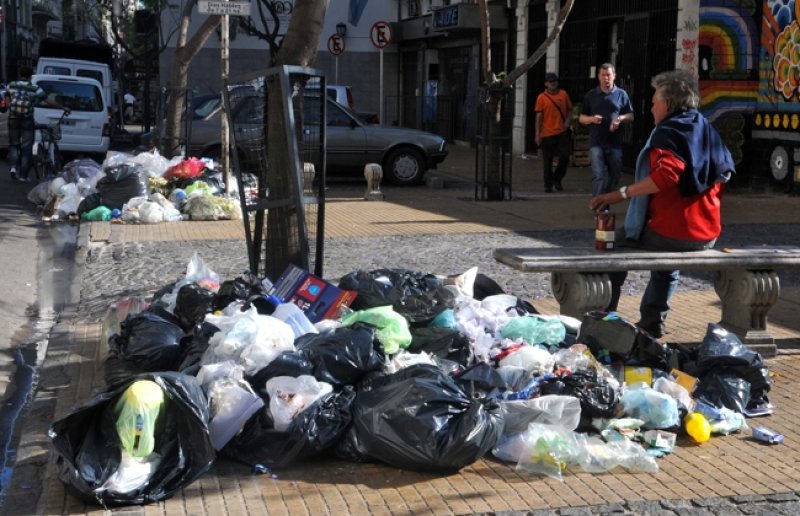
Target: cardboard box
(316, 297)
(686, 381)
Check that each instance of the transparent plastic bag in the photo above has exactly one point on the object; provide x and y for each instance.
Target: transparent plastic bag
(117, 312)
(137, 412)
(656, 409)
(597, 456)
(289, 396)
(200, 273)
(548, 450)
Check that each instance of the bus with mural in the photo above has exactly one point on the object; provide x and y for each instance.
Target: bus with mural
(776, 119)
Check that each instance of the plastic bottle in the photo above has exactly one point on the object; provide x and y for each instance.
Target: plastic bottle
(697, 427)
(292, 315)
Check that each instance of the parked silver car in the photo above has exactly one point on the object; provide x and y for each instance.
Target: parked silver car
(405, 154)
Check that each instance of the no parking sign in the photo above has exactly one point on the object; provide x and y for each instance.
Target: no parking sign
(380, 34)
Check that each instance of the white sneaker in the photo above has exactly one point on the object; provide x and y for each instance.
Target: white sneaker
(13, 174)
(24, 179)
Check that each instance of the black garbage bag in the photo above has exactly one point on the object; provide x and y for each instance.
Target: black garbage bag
(149, 340)
(288, 363)
(118, 370)
(312, 432)
(609, 332)
(441, 342)
(484, 286)
(343, 356)
(650, 352)
(162, 296)
(416, 296)
(192, 304)
(723, 352)
(238, 289)
(89, 451)
(480, 380)
(419, 419)
(598, 398)
(89, 203)
(193, 347)
(120, 184)
(724, 390)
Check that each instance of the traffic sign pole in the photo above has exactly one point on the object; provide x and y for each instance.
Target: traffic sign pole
(381, 36)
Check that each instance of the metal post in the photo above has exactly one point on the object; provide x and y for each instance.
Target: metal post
(225, 155)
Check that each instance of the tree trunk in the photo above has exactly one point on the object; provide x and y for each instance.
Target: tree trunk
(493, 155)
(299, 47)
(184, 53)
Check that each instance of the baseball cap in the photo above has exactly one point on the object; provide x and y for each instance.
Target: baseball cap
(550, 77)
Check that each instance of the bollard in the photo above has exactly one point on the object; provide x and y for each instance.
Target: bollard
(308, 177)
(373, 173)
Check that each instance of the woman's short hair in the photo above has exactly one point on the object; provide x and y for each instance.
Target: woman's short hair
(678, 88)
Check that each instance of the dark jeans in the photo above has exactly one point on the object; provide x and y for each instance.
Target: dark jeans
(655, 301)
(606, 168)
(20, 144)
(559, 145)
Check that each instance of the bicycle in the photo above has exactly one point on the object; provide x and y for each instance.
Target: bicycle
(46, 156)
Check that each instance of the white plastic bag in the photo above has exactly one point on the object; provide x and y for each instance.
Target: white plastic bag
(534, 359)
(151, 213)
(289, 396)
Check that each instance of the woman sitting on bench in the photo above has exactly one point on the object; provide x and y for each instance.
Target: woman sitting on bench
(675, 201)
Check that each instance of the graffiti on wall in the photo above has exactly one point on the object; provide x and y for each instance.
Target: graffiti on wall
(689, 55)
(727, 67)
(781, 48)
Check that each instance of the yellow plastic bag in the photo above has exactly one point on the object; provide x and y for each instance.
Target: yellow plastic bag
(137, 412)
(697, 427)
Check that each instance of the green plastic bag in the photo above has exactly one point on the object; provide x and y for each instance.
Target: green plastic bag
(137, 412)
(535, 330)
(392, 331)
(101, 213)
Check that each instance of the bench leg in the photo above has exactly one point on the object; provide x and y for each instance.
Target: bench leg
(747, 296)
(581, 292)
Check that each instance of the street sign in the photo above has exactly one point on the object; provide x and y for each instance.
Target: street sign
(381, 34)
(336, 44)
(221, 7)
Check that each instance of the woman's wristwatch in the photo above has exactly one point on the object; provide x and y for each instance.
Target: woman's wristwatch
(624, 192)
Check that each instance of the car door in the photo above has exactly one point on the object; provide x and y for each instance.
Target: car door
(347, 140)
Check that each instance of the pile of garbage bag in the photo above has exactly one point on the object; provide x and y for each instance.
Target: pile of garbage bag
(144, 188)
(421, 372)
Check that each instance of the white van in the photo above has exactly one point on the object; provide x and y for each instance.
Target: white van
(100, 72)
(87, 129)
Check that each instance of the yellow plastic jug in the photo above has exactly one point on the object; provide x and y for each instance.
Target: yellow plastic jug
(697, 427)
(137, 412)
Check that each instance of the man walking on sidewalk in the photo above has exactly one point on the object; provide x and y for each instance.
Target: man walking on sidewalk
(553, 134)
(604, 109)
(22, 96)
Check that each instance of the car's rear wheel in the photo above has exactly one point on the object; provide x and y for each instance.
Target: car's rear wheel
(404, 166)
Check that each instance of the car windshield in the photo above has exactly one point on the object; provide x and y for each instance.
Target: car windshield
(76, 96)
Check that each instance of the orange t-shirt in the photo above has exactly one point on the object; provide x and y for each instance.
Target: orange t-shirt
(553, 118)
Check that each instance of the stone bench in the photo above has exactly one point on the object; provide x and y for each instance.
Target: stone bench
(745, 279)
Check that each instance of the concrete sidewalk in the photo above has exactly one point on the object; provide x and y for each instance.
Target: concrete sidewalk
(734, 473)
